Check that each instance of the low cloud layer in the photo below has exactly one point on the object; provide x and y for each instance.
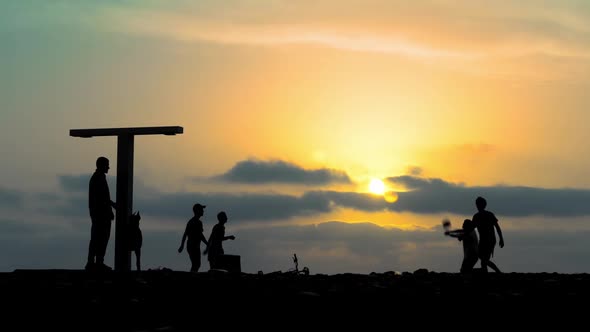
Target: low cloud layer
(437, 195)
(327, 247)
(424, 196)
(10, 198)
(330, 247)
(75, 183)
(277, 171)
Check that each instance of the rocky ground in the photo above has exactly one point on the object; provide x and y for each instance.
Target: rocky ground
(165, 300)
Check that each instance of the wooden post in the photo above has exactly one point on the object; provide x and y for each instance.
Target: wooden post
(125, 147)
(124, 201)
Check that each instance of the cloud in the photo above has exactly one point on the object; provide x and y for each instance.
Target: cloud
(79, 183)
(333, 247)
(241, 206)
(10, 227)
(326, 247)
(48, 197)
(262, 172)
(74, 183)
(178, 205)
(194, 28)
(415, 170)
(439, 196)
(10, 198)
(28, 245)
(71, 206)
(425, 30)
(507, 40)
(338, 247)
(357, 201)
(423, 196)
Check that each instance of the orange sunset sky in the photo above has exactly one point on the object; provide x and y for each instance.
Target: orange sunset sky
(343, 131)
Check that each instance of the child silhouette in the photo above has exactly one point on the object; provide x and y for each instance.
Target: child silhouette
(215, 246)
(470, 244)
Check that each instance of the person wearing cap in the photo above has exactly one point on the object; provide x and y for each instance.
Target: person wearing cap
(194, 233)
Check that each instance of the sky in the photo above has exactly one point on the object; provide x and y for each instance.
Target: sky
(343, 131)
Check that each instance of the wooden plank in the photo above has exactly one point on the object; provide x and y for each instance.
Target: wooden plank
(172, 130)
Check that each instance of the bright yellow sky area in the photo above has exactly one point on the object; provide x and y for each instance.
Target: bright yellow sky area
(463, 96)
(466, 93)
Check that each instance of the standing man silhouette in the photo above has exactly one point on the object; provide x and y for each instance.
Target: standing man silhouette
(101, 215)
(194, 233)
(487, 225)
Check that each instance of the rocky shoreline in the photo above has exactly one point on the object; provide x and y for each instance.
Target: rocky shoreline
(171, 300)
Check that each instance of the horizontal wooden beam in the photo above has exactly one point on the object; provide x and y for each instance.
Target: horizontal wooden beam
(126, 131)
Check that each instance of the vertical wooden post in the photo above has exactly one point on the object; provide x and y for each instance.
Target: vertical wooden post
(125, 144)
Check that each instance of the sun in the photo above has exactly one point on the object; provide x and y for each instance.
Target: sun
(377, 187)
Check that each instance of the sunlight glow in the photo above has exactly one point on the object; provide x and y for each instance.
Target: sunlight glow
(391, 196)
(377, 187)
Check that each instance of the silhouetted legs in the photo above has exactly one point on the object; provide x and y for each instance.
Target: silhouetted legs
(91, 249)
(104, 233)
(99, 239)
(486, 263)
(468, 264)
(138, 259)
(195, 256)
(485, 254)
(213, 262)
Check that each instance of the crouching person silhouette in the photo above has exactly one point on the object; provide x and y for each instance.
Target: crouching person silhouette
(215, 247)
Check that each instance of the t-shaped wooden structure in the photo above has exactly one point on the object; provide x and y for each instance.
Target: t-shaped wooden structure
(125, 143)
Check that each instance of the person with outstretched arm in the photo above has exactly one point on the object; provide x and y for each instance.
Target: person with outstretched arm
(215, 248)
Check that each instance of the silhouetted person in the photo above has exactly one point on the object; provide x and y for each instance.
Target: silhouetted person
(101, 215)
(486, 221)
(470, 244)
(215, 247)
(135, 238)
(194, 233)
